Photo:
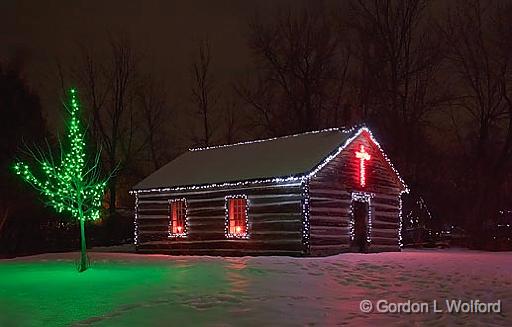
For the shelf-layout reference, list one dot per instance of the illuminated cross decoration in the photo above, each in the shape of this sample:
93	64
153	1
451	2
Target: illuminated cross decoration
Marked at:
362	155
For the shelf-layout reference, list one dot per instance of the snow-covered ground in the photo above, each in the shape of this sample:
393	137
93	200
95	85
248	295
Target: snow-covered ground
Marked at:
123	289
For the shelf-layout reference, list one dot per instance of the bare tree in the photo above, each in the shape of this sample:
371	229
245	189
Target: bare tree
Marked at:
232	119
155	113
110	85
4	214
479	43
203	90
300	71
69	181
397	78
258	95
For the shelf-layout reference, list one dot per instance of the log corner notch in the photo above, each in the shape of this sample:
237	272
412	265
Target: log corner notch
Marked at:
299	193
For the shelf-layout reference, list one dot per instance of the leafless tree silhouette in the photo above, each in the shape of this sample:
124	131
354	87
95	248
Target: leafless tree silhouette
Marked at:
203	91
300	71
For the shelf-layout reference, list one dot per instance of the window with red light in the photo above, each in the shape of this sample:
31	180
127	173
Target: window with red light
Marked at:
237	216
178	213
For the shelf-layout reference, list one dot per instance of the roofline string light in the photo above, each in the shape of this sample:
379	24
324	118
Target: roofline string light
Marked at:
213	147
222	185
298	178
347	143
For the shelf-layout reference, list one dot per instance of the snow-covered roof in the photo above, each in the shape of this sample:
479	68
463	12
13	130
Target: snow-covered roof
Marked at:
281	157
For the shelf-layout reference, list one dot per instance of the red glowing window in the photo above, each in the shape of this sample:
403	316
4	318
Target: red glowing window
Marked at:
178	210
237	216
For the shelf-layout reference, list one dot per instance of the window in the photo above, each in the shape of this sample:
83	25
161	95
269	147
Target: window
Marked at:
178	213
236	216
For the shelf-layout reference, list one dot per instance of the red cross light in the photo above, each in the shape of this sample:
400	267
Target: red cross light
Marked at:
362	155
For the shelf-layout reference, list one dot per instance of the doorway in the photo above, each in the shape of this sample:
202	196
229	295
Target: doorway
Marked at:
360	216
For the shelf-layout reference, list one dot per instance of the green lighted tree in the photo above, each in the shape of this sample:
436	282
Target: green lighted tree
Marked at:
74	184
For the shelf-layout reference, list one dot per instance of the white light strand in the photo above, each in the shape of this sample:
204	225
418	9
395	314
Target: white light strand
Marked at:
269	139
246	235
305	214
301	177
400	243
184	234
136	223
347	143
405	188
423	205
361	197
351	232
284	181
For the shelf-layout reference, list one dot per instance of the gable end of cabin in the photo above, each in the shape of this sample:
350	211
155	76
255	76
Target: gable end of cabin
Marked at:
341	187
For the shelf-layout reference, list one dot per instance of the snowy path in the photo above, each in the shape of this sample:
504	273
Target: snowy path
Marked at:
125	289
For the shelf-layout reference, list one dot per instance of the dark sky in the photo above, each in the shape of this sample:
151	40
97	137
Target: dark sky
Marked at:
167	32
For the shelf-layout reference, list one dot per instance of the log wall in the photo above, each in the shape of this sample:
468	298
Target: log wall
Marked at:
330	192
275	222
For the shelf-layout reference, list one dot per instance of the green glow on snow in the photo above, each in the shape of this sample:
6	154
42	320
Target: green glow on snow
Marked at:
51	293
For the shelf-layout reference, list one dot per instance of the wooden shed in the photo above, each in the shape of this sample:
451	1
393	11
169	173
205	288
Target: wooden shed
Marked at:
317	193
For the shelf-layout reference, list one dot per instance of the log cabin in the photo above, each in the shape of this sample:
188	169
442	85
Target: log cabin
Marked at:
311	194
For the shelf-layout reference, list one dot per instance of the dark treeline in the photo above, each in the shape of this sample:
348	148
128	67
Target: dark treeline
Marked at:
431	79
22	121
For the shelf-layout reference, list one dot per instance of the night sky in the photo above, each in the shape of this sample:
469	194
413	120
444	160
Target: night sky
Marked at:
42	34
165	32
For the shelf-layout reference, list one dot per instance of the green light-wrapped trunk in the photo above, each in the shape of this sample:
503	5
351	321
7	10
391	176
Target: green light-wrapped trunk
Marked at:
83	255
75	184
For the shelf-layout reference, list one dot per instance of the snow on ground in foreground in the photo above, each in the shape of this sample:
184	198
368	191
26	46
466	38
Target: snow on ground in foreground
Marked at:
123	289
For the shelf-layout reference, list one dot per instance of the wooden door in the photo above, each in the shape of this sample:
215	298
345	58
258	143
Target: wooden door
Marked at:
360	216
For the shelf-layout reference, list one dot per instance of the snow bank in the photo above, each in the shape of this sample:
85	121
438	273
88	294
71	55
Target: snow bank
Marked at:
124	289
